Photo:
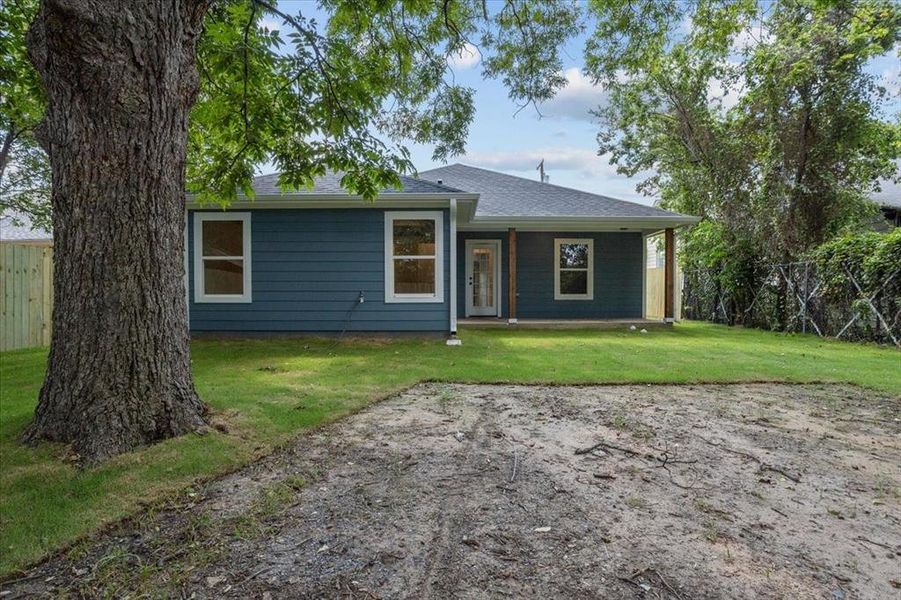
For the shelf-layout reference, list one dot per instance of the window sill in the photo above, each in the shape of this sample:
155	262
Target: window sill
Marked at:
413	300
223	300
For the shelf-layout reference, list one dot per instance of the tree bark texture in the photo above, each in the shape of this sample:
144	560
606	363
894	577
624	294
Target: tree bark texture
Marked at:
120	80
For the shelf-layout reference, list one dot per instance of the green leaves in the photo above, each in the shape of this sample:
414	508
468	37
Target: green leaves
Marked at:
344	95
525	43
759	118
347	95
21	95
24	171
875	257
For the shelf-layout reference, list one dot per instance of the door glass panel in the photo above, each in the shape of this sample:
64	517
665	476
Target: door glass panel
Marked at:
482	278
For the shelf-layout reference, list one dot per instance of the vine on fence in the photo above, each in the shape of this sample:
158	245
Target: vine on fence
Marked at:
849	288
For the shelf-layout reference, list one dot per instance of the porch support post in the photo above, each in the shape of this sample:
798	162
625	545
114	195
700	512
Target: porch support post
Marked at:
644	276
511	276
669	273
452	301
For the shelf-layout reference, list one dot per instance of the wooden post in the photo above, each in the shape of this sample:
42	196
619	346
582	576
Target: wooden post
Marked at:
511	276
453	268
669	276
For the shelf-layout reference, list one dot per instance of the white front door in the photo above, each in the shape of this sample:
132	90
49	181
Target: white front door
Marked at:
482	277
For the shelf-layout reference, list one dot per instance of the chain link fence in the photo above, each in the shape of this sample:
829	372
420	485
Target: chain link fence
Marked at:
792	297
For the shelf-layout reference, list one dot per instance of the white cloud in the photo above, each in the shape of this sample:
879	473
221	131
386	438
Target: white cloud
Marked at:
576	100
718	92
466	58
270	24
749	38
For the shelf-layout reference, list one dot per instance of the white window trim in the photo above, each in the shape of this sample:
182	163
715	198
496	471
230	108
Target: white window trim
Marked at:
199	295
559	242
438	217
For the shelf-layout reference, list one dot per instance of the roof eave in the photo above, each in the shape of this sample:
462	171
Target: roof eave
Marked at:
289	199
587	223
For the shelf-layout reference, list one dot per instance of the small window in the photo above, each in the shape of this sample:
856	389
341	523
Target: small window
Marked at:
222	257
413	257
573	269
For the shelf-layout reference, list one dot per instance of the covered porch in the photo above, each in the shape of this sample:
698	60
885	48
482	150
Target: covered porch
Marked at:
516	277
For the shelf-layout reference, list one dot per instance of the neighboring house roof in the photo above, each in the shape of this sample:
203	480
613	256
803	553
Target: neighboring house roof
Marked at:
330	185
502	195
10	232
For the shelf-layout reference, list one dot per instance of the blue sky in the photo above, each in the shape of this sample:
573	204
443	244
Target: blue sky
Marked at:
564	134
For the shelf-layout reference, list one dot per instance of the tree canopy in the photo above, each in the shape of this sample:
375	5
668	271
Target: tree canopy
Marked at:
343	95
24	171
790	155
759	117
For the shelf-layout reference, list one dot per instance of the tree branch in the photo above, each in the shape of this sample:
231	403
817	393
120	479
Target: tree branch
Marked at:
250	22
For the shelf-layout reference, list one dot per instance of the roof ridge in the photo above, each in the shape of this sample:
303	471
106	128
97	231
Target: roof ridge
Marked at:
554	185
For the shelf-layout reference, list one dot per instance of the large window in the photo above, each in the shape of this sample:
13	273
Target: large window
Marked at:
573	269
222	257
413	257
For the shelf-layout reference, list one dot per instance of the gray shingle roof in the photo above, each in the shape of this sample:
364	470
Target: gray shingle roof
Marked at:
502	195
330	184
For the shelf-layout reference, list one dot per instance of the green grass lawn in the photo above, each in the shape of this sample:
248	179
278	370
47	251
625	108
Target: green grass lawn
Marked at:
266	391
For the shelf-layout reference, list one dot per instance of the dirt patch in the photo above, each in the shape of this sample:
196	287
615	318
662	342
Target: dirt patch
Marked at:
727	491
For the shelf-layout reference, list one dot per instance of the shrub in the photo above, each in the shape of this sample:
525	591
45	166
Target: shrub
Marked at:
874	259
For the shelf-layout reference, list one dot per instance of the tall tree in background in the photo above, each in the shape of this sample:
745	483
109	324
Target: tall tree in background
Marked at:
758	116
122	80
24	170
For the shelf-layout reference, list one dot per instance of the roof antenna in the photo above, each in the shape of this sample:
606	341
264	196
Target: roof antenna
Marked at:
540	168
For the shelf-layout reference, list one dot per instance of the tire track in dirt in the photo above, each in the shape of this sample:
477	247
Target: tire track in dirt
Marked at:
442	568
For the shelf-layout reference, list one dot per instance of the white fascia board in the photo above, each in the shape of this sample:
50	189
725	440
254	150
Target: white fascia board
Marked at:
339	201
577	223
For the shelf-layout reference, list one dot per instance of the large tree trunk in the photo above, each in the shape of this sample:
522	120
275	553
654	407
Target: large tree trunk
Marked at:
120	80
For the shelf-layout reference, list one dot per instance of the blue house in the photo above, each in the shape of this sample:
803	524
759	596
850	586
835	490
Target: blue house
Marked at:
458	243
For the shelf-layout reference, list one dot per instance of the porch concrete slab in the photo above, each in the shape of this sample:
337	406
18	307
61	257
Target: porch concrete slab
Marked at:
492	323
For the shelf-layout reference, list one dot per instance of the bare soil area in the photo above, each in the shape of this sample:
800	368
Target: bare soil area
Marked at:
478	491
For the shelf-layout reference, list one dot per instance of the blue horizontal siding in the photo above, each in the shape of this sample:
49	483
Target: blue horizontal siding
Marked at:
308	268
618	277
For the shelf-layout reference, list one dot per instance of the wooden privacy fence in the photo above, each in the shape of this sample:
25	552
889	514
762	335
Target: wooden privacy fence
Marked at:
655	290
26	295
